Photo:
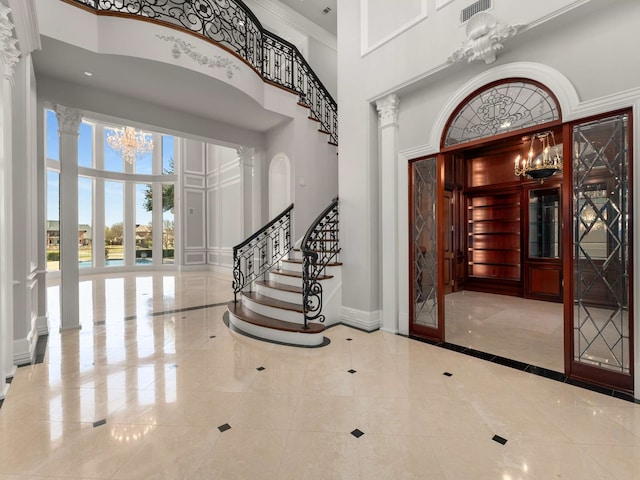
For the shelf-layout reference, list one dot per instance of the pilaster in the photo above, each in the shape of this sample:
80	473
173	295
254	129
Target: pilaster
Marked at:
246	156
9	56
388	110
69	129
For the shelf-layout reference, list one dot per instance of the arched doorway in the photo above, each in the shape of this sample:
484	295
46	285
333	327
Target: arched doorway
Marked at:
566	240
279	184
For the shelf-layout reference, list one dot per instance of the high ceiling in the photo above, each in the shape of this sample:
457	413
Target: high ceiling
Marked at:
314	11
149	81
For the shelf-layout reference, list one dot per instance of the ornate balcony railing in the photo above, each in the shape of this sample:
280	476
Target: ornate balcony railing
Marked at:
232	25
262	250
319	247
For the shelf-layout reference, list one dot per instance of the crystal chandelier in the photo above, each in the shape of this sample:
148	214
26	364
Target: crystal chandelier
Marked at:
543	159
129	144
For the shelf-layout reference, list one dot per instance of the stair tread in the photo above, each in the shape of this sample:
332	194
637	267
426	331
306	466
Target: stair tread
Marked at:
291	273
299	261
279	286
254	318
273	302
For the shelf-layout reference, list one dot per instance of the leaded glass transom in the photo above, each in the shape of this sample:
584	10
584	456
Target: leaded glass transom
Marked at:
424	241
601	235
502	108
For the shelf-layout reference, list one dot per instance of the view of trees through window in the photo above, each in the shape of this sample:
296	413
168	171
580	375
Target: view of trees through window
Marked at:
111	186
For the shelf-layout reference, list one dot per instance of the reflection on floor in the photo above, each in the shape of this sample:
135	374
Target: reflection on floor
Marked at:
529	331
138	394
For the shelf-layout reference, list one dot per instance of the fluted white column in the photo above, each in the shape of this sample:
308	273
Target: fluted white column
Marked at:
388	109
246	159
69	124
9	56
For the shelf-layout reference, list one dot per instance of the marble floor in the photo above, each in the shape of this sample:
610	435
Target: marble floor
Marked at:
155	386
529	331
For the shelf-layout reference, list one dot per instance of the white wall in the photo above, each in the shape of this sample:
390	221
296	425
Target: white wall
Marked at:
324	61
224	205
193	210
314	172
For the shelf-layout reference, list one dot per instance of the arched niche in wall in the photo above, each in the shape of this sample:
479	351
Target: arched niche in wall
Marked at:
279	184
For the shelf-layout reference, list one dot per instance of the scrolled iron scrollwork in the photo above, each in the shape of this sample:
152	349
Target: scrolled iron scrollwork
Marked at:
231	24
261	251
319	247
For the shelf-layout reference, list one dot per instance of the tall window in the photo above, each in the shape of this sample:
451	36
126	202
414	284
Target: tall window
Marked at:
85	145
114	224
114	197
85	231
53	220
144	223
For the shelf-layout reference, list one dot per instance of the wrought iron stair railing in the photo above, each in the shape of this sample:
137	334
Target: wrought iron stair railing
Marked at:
320	246
232	25
261	251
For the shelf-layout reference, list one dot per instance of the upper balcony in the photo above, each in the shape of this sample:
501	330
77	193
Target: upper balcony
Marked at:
229	26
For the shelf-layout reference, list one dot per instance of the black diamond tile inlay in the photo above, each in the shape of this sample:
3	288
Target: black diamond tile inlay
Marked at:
357	433
352	371
447	374
99	422
349	339
499	439
224	428
212	336
260	369
184	318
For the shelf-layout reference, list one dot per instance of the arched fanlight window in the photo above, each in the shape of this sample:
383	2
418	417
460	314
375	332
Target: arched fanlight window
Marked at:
501	108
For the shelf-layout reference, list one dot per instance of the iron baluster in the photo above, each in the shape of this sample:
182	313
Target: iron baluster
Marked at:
319	247
259	250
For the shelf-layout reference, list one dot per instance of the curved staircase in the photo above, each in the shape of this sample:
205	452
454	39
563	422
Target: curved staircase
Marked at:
271	303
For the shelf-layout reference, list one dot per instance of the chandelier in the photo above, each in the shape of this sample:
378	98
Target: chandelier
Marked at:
543	159
129	144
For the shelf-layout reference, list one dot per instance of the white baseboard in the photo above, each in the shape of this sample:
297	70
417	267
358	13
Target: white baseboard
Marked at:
24	350
42	325
389	330
368	321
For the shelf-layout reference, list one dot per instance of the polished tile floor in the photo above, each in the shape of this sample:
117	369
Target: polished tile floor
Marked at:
529	331
142	394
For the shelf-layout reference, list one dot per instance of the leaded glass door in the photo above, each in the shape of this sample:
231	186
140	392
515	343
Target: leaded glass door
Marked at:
600	309
424	210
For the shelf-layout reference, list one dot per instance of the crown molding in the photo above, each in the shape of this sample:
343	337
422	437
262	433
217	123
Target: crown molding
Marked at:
25	19
295	20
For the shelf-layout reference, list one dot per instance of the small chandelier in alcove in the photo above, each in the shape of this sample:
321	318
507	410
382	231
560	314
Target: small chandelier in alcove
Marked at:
543	159
129	144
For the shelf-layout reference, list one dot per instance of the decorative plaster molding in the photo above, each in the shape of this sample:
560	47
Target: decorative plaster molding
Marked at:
388	108
216	61
246	156
365	47
484	37
26	22
9	53
69	119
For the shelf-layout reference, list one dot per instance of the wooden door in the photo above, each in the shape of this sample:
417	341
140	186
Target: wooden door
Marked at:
448	230
426	189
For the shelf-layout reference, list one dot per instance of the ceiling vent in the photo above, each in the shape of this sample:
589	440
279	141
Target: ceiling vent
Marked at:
326	10
471	10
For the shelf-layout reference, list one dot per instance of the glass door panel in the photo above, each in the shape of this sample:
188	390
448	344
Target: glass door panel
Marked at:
424	248
601	250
